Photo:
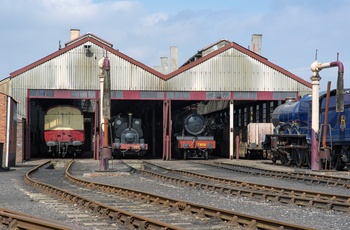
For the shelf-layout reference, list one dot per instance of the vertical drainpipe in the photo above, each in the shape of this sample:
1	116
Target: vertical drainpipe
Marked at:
231	131
101	102
316	67
7	152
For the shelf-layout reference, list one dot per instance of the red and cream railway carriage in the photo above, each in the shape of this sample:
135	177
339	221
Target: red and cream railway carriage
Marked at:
64	130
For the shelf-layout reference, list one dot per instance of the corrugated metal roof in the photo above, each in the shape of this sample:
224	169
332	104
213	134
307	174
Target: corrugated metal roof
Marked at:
95	40
228	67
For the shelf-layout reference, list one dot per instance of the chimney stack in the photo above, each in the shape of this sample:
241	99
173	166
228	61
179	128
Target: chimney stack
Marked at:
174	62
74	34
256	43
164	64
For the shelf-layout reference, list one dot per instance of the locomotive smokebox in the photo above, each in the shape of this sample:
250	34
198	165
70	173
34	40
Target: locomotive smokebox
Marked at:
281	109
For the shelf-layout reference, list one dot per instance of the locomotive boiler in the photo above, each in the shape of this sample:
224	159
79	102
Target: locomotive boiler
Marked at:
64	130
291	141
191	135
128	136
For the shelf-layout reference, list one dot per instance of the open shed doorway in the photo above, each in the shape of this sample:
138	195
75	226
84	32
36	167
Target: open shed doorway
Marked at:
36	125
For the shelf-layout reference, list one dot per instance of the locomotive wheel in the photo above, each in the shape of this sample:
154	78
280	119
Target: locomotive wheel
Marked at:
285	160
299	158
264	154
338	164
273	160
308	159
206	155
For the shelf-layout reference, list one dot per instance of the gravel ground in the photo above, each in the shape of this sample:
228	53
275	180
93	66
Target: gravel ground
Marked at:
305	186
14	195
314	218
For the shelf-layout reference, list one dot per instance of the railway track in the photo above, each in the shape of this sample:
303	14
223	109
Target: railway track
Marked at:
283	195
204	217
50	180
295	176
10	219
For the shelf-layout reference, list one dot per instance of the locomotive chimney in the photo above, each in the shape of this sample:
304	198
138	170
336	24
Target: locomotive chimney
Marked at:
129	120
193	108
290	99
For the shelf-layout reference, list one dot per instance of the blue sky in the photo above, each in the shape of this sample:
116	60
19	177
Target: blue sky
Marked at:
291	30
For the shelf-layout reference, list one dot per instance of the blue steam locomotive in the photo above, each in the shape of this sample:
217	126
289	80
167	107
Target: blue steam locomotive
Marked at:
128	136
191	135
291	141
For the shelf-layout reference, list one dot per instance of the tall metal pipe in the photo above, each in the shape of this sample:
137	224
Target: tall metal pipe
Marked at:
105	150
325	122
106	103
316	67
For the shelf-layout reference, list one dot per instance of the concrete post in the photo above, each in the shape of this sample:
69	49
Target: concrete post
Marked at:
315	121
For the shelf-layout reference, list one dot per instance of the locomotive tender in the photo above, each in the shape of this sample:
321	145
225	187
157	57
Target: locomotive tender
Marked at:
64	130
291	141
192	138
128	136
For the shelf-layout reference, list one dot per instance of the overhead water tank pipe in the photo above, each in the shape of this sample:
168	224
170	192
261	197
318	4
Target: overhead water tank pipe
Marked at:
316	67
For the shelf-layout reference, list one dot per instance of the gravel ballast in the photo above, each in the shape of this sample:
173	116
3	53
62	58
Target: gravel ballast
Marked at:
16	194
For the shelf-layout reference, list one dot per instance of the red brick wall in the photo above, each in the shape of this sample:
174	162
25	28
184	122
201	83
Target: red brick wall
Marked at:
21	124
4	138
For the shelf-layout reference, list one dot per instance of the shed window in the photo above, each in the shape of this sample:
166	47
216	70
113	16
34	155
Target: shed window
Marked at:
177	95
218	95
116	94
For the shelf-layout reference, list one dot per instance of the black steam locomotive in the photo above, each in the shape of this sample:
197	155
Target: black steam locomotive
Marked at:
191	135
128	136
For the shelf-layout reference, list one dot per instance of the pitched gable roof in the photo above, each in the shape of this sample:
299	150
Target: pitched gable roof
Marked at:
79	41
200	57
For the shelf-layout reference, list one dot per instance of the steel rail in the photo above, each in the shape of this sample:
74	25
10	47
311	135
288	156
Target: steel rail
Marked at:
260	191
234	218
17	220
299	176
111	213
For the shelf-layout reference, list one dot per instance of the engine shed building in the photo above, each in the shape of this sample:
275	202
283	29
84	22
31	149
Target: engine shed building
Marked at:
221	77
